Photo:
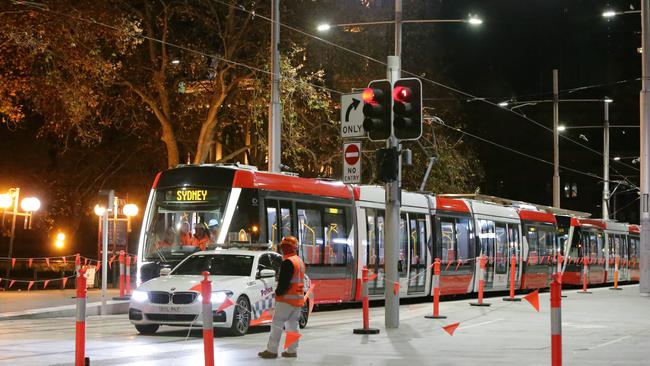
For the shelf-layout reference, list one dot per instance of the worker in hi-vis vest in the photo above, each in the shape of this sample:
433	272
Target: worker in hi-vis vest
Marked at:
289	299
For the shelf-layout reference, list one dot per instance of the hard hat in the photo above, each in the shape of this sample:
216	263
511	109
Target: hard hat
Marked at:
290	241
213	223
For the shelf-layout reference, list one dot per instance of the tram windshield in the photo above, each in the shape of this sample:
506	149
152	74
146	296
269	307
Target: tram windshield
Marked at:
183	221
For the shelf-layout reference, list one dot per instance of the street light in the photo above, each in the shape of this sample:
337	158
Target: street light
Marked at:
6	200
60	240
323	27
99	210
130	209
472	20
30	204
561	128
609	13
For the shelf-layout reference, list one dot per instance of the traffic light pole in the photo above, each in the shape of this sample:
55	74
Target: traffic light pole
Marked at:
391	248
644	281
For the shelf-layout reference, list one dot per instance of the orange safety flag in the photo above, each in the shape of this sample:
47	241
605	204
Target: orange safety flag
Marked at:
85	261
65	280
451	328
291	338
396	288
225	305
11	283
13	262
65	261
372	277
29	262
47	260
110	262
533	299
99	265
29	286
45	284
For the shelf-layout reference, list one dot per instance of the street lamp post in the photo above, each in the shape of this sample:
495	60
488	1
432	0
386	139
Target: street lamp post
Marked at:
29	205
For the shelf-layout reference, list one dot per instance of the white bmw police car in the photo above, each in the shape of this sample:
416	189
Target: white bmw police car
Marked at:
247	277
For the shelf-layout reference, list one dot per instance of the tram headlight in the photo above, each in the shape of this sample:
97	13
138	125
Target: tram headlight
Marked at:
139	296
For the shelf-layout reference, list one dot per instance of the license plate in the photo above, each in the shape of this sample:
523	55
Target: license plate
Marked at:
169	309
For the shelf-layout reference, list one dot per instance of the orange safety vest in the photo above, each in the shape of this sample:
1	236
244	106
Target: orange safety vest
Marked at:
295	295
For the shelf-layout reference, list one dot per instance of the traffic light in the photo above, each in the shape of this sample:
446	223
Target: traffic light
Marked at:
407	109
377	110
387	164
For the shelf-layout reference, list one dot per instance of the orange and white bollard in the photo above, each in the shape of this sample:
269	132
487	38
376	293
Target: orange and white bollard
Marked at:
366	306
80	328
513	271
127	276
208	329
585	276
121	273
556	322
616	263
436	292
481	282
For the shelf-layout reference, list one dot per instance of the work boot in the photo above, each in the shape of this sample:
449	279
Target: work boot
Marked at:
289	354
267	354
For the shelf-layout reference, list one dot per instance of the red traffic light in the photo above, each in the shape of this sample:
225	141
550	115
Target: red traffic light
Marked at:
402	94
371	95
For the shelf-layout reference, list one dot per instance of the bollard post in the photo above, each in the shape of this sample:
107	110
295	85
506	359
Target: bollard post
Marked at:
122	271
556	322
127	281
616	263
513	271
436	292
585	276
77	263
366	306
208	329
560	265
80	327
481	282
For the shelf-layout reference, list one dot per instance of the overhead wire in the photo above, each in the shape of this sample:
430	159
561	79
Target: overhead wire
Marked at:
442	85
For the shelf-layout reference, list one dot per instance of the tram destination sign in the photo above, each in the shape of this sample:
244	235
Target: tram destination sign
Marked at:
352	116
193	195
352	162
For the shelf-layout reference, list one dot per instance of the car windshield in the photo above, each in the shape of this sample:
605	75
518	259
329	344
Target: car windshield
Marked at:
216	264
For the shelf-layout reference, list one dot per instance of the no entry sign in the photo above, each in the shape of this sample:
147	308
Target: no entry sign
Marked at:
352	162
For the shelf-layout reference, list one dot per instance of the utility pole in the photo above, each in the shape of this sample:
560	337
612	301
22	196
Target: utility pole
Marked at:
275	122
644	281
109	206
15	197
391	255
605	202
556	141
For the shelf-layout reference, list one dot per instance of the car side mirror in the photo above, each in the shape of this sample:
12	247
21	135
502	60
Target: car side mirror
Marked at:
267	273
165	271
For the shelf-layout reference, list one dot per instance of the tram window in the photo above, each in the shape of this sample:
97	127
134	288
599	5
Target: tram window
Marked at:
487	237
501	248
447	240
404	242
272	221
614	245
600	245
533	245
513	240
337	248
462	238
286	221
310	234
419	253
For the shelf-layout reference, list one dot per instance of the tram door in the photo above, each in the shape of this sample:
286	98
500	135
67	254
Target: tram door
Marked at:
498	241
412	264
375	250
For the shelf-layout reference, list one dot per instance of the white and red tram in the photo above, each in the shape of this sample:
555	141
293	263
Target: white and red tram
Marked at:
341	229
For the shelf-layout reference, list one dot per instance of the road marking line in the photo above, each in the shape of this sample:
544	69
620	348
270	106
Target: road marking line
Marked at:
478	324
610	342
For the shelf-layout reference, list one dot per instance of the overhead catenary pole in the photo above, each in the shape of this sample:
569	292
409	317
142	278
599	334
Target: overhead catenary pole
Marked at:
15	198
605	202
391	316
644	281
275	122
556	141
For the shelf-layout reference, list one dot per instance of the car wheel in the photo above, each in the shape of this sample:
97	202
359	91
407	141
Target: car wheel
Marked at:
304	315
241	317
147	329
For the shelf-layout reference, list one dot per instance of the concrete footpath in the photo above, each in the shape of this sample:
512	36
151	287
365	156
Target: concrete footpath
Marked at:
604	328
51	303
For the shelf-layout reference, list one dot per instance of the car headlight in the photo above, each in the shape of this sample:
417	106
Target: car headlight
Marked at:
217	297
139	296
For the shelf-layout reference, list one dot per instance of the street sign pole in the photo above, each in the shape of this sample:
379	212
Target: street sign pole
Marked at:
109	206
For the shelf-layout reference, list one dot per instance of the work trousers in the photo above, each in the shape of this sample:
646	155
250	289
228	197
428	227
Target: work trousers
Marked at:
285	317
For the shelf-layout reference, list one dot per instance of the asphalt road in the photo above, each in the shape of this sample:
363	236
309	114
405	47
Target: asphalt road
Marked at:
605	328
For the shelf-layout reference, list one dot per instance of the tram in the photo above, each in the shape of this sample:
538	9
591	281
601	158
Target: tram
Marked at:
341	229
